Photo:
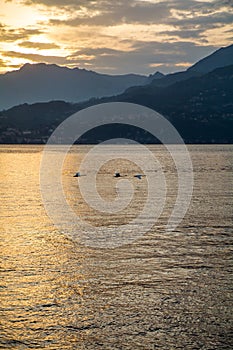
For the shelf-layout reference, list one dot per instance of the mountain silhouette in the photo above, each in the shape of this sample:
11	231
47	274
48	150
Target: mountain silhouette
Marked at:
45	82
220	58
201	108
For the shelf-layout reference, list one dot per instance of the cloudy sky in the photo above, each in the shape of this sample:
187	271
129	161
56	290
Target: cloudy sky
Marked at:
140	36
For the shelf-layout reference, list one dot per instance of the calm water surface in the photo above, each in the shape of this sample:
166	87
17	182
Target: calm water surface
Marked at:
164	291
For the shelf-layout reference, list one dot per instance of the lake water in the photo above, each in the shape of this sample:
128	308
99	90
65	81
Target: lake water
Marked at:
162	291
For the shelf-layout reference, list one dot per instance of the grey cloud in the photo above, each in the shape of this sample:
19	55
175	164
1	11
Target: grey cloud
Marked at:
10	35
117	12
53	2
38	45
144	55
214	19
68	61
101	51
204	16
131	11
120	12
182	51
196	29
36	57
199	6
187	34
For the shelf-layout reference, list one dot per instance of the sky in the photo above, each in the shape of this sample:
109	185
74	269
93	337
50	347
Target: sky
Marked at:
113	37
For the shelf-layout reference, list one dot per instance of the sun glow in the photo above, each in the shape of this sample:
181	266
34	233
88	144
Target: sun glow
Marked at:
15	14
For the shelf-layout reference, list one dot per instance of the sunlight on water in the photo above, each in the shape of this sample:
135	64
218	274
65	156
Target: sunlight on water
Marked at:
168	291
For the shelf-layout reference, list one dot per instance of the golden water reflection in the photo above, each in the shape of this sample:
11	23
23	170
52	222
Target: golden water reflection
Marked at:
164	291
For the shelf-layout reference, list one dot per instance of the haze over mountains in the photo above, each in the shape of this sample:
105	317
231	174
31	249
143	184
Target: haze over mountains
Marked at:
220	58
198	103
42	82
45	82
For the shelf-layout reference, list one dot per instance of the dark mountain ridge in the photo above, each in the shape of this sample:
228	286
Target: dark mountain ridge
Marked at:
45	82
220	58
201	108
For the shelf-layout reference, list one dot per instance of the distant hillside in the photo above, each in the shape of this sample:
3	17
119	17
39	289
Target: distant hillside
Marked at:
201	108
220	58
45	82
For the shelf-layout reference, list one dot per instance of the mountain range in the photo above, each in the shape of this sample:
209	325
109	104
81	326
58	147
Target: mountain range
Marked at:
199	103
45	82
